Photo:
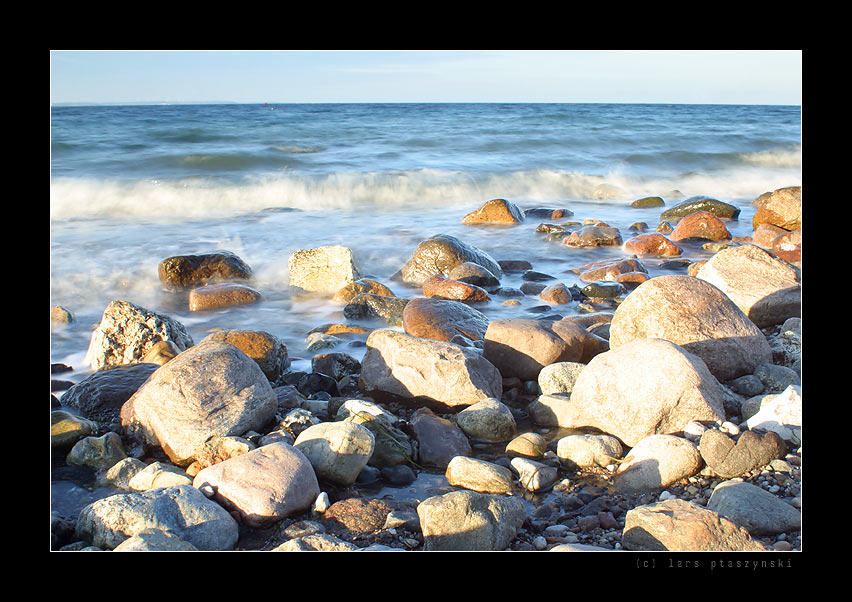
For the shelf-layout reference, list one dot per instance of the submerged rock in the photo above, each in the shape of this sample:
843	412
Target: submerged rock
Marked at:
186	271
495	211
439	255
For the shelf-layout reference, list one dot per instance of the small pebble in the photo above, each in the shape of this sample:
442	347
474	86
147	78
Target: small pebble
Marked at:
539	543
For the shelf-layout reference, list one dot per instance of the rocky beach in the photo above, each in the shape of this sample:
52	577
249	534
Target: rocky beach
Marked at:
644	397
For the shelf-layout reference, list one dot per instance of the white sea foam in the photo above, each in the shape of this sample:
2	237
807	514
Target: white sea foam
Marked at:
200	198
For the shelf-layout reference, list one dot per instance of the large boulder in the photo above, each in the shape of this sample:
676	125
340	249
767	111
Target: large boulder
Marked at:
427	372
495	211
323	269
470	521
680	526
127	332
657	462
522	347
443	319
754	508
439	255
767	289
182	511
187	271
642	388
211	389
701	225
781	208
697	316
264	485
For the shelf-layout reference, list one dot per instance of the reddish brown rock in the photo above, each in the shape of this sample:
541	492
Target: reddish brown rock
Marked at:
185	271
264	348
440	287
217	296
652	244
701	224
782	208
495	211
610	269
765	235
442	319
364	285
557	294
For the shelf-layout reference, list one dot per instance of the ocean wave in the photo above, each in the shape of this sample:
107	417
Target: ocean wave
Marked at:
208	197
774	158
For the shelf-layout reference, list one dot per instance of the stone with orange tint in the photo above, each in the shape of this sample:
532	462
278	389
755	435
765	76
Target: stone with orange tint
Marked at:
652	244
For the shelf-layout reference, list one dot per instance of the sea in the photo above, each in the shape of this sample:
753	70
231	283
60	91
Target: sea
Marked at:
132	185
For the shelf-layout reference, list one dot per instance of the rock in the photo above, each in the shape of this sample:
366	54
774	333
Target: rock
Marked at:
765	235
155	540
603	289
593	236
781	208
362	285
588	451
767	289
754	509
700	224
776	378
646	387
470	521
218	449
221	295
487	420
697	316
527	445
60	317
264	348
336	365
548	213
728	457
648	201
748	385
701	203
211	389
439	287
323	269
182	511
100	453
473	273
321	542
368	306
181	272
160	353
426	372
657	462
264	485
557	294
338	451
439	255
559	378
495	211
353	518
127	332
392	445
439	440
653	244
610	269
100	395
522	347
680	526
578	547
781	415
442	319
158	474
479	475
534	476
120	474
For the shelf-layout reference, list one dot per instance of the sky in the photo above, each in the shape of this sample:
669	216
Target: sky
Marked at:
302	76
